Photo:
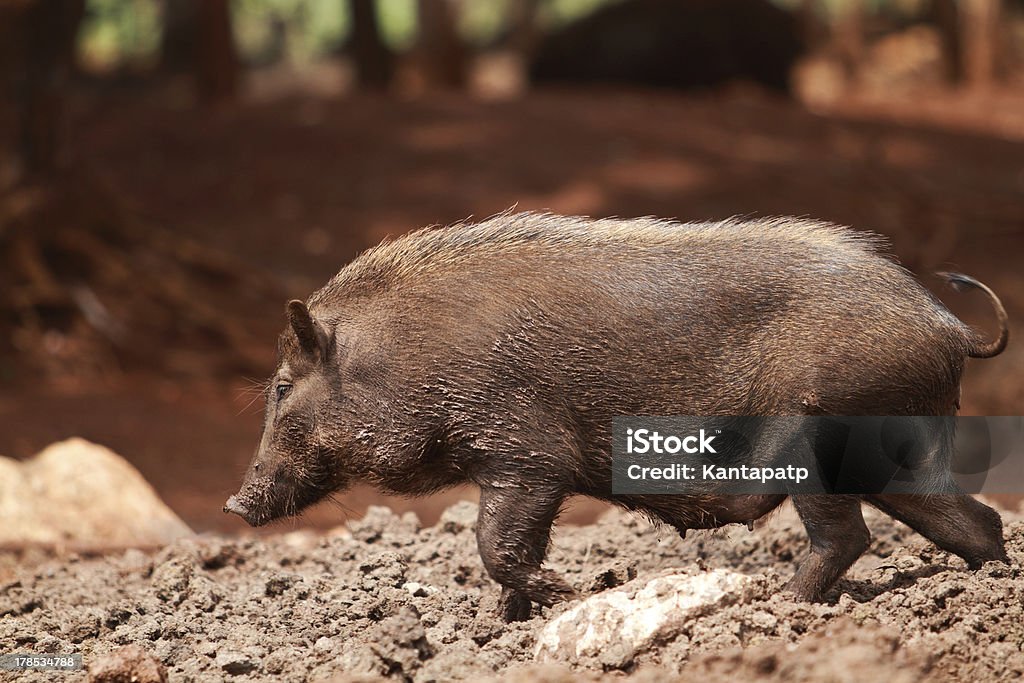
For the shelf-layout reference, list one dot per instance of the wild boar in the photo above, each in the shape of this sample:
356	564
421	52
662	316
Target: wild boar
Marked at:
498	353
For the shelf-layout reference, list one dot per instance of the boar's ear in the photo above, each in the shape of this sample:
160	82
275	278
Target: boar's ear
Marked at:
311	334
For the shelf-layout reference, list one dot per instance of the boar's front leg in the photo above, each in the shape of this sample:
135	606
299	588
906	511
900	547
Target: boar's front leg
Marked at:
513	531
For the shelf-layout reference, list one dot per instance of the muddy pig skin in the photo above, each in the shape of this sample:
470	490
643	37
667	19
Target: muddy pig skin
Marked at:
498	353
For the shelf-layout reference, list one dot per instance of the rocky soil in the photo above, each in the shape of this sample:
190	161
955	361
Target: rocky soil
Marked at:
384	597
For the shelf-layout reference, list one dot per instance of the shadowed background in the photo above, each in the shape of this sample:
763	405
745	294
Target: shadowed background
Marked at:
172	172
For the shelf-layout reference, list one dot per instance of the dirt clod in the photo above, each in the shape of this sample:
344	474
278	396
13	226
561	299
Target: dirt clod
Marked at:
128	664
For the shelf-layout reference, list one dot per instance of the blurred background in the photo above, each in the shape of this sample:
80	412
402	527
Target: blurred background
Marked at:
173	171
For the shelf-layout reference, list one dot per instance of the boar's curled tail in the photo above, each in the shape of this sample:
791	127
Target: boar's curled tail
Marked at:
978	347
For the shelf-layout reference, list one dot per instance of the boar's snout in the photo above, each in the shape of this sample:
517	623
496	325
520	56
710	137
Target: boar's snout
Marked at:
235	506
264	499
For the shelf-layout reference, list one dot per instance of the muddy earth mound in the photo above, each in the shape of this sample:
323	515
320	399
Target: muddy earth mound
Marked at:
385	598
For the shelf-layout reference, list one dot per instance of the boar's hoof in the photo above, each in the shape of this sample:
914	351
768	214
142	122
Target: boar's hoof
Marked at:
513	605
548	588
543	586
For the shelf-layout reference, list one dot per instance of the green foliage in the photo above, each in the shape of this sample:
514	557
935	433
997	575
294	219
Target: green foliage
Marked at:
482	22
127	32
295	30
561	12
313	28
397	20
118	32
906	8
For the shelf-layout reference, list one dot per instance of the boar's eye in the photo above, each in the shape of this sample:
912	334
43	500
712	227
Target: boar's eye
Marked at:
282	390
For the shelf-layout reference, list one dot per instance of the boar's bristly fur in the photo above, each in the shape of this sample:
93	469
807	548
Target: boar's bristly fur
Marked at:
498	353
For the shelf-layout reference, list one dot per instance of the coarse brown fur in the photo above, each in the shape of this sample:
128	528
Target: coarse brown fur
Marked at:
498	353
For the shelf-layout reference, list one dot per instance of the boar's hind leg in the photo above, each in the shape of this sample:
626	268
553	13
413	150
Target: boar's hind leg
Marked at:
838	537
513	531
956	523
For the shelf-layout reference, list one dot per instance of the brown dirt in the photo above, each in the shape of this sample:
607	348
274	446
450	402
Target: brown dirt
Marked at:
389	598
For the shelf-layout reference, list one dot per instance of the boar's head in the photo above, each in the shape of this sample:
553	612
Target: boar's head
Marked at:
298	461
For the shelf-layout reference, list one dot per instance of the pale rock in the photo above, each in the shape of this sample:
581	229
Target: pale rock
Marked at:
75	493
612	627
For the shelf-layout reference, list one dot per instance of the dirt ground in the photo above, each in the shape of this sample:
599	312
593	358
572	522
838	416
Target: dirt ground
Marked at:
294	187
387	598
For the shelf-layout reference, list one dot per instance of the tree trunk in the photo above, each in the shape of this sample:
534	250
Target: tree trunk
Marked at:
217	67
813	29
849	37
442	54
946	16
373	60
523	31
980	26
178	40
197	39
40	63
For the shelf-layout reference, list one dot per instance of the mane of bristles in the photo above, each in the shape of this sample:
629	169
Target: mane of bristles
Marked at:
432	249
